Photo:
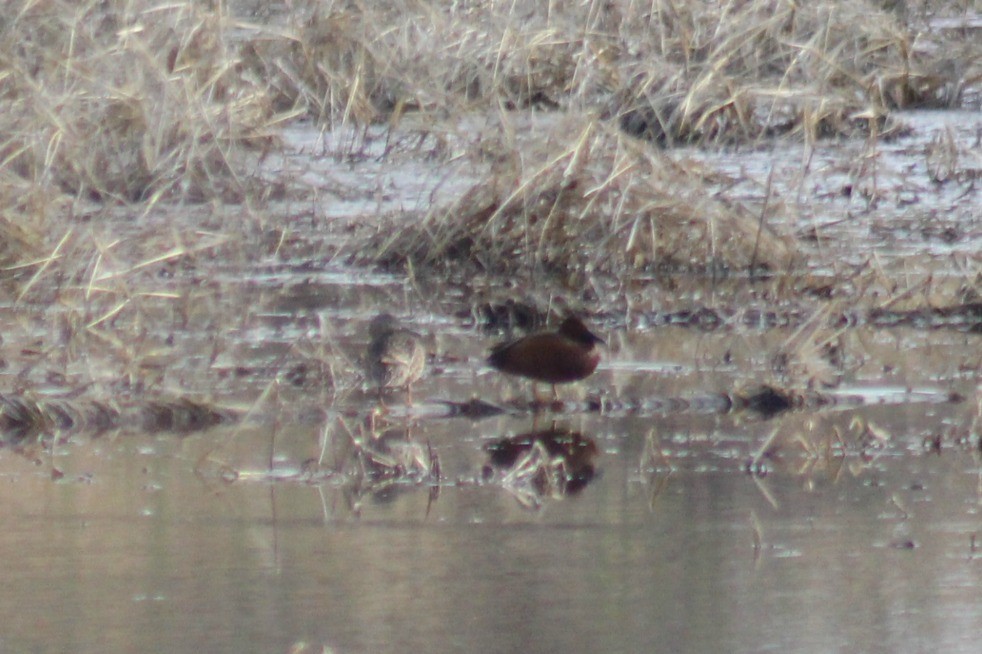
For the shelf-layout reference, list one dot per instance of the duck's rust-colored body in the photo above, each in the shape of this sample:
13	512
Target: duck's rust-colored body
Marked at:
566	355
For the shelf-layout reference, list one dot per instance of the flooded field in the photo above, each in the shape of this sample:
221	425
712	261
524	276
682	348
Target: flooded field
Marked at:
644	512
781	446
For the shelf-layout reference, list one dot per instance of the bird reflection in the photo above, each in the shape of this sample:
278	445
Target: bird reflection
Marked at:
382	465
551	463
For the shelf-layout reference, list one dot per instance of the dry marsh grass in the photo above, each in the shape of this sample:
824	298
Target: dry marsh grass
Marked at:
691	73
583	199
135	100
20	239
125	101
671	72
743	71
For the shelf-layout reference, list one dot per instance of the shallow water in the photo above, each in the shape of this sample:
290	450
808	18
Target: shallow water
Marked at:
858	531
672	545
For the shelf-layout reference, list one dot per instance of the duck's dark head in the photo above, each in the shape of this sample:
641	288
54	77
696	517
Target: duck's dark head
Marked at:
574	328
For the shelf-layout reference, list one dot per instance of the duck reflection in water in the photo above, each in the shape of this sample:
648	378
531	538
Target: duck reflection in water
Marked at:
551	463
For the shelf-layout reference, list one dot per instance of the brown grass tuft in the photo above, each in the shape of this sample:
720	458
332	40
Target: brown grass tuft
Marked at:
584	200
22	217
710	73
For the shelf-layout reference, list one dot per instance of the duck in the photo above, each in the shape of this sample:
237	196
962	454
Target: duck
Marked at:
569	354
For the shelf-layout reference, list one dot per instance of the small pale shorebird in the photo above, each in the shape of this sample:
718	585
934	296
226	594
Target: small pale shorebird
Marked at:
566	355
395	357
